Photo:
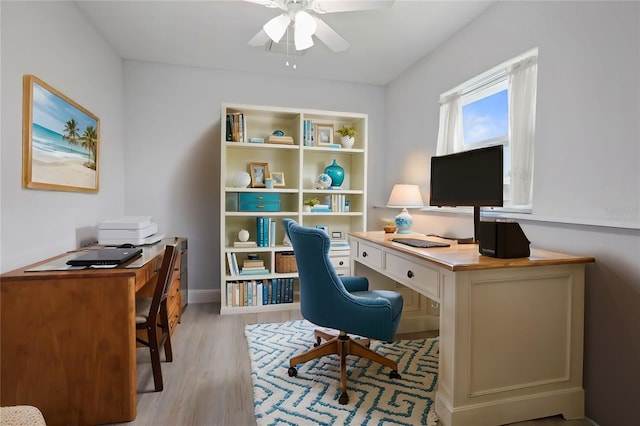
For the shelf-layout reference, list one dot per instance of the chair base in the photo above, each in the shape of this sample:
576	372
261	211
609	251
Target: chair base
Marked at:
342	345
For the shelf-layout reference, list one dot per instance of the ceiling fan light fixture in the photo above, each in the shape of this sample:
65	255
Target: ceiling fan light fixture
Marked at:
304	23
302	41
276	27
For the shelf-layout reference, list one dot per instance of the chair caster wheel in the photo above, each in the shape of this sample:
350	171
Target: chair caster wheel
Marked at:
292	372
344	399
394	375
318	341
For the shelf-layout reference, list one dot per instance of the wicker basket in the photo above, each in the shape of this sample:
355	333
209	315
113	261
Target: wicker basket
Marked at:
286	262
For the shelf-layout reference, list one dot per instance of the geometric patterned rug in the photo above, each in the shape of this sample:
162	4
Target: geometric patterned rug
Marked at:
311	398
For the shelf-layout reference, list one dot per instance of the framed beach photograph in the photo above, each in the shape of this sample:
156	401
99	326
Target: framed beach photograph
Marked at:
259	173
60	141
324	134
278	179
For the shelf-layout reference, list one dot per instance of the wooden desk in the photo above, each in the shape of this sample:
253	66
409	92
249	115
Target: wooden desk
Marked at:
511	330
68	338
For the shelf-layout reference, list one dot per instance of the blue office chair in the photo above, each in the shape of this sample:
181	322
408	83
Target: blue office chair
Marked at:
340	303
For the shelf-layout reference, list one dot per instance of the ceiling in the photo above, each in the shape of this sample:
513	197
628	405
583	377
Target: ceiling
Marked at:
214	34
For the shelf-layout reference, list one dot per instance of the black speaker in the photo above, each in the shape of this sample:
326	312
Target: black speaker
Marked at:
503	239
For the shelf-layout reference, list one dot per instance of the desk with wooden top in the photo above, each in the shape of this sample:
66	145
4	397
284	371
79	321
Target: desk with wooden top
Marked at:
68	337
511	330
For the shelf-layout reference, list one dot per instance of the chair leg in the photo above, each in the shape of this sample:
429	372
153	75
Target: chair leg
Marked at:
342	346
166	334
154	349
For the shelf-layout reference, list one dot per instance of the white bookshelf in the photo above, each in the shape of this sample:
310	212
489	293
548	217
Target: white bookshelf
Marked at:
301	165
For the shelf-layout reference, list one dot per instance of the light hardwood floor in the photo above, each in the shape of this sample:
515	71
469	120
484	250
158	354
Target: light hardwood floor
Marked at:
209	382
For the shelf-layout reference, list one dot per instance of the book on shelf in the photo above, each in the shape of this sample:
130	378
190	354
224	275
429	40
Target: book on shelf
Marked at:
282	140
256	140
250	263
266	231
236	127
233	264
308	129
259	271
260	292
241	244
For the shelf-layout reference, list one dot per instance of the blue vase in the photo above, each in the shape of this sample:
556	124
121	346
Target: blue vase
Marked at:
336	173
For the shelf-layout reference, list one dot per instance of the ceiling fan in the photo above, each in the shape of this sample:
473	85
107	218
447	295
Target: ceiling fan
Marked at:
300	14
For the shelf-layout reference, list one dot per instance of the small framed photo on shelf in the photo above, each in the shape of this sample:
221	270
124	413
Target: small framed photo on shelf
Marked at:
259	173
324	134
325	228
336	234
278	179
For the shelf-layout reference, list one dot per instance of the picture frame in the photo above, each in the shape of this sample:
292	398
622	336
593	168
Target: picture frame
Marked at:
325	228
324	134
259	173
60	140
278	179
336	234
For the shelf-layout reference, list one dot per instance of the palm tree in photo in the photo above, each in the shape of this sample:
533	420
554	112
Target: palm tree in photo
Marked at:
90	143
71	134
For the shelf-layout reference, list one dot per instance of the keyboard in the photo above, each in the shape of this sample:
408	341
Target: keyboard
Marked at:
415	242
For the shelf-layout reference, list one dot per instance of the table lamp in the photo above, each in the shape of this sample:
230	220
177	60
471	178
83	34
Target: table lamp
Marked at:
405	197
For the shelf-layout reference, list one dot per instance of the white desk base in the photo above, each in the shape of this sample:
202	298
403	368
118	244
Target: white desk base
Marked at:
511	330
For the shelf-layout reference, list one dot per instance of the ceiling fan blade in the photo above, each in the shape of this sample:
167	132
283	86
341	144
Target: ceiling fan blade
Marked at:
332	6
328	36
276	27
267	3
259	39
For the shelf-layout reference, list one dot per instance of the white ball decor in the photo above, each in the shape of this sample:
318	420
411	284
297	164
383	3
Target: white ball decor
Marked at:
243	235
323	181
242	179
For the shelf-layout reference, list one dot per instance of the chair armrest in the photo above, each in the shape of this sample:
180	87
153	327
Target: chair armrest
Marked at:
352	284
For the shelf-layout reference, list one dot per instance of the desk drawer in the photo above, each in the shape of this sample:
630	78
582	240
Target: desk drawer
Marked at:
341	264
369	255
414	275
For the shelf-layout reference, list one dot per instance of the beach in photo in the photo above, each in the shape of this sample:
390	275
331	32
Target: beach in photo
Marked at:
55	161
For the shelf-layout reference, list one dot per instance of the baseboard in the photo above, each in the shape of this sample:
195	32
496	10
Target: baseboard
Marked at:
204	296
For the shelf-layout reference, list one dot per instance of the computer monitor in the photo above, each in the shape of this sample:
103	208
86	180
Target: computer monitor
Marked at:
471	178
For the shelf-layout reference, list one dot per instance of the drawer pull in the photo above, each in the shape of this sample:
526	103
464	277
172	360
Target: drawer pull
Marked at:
410	273
341	263
260	207
364	254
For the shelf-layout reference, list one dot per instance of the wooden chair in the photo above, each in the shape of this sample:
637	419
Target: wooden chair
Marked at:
151	316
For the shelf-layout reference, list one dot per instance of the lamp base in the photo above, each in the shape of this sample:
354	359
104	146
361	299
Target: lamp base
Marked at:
404	222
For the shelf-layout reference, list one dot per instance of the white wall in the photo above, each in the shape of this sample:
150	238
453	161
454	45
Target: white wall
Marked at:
172	157
587	161
53	41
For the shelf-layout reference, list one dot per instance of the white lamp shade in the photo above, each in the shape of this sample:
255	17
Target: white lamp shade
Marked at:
276	27
405	196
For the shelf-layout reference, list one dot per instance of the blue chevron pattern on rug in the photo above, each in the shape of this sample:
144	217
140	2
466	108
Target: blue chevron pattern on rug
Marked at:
311	398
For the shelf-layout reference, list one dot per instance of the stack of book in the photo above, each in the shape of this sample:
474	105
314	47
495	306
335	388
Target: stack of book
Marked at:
236	130
253	267
283	140
245	244
321	208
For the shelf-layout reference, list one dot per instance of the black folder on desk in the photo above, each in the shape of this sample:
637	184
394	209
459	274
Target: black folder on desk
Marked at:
105	256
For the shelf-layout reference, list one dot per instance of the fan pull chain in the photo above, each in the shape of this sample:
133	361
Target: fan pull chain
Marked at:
287	62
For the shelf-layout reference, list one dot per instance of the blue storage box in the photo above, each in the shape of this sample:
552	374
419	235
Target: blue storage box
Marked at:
258	202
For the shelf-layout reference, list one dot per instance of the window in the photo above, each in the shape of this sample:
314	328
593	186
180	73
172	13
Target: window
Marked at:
496	108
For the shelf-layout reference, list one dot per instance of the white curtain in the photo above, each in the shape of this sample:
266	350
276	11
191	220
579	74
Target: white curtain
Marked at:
450	137
522	79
